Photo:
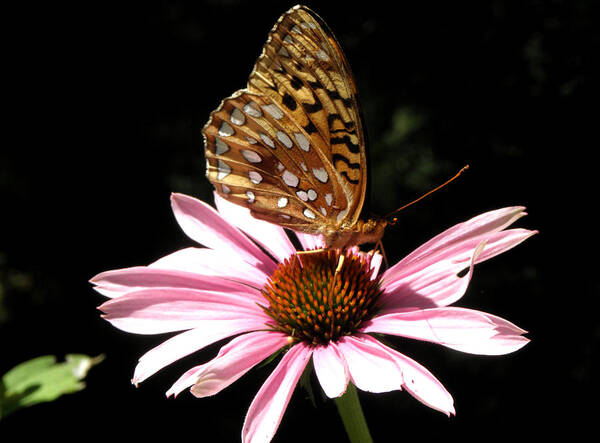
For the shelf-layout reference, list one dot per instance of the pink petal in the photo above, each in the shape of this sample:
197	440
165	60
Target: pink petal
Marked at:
267	408
418	381
309	241
210	262
371	369
439	284
110	292
376	261
466	330
436	279
155	311
234	359
208	332
121	281
187	379
204	224
477	228
503	241
271	237
488	222
331	370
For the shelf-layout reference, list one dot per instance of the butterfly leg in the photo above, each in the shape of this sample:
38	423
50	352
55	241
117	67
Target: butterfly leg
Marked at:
379	246
312	251
332	286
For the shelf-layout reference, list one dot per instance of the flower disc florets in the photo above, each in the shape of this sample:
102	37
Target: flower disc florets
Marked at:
321	296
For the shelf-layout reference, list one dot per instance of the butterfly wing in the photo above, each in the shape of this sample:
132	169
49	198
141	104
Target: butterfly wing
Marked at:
290	146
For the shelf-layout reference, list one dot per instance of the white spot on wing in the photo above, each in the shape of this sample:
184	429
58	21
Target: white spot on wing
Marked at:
329	199
251	140
296	29
282	202
280	167
237	117
225	189
251	196
323	211
251	156
290	179
309	214
274	110
225	130
220	146
283	138
255	177
312	194
223	168
302	195
321	174
268	140
302	141
252	109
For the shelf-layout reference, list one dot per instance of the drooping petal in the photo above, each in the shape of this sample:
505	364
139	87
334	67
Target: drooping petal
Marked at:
159	310
203	224
462	329
371	369
309	241
271	237
121	281
437	285
438	279
267	408
210	262
476	229
234	359
331	370
418	381
208	332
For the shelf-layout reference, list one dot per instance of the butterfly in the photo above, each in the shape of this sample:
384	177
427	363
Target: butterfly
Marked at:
290	146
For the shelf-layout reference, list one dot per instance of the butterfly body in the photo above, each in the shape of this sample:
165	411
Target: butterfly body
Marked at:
290	146
363	231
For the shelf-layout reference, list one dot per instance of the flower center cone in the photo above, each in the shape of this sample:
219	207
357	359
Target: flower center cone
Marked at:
321	296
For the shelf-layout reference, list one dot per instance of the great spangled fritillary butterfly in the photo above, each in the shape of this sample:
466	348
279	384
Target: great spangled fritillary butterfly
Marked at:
290	146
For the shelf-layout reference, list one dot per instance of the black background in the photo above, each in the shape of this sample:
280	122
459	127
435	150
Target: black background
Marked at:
105	106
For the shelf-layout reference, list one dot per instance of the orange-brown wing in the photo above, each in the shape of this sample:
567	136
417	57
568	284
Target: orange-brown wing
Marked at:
290	146
258	157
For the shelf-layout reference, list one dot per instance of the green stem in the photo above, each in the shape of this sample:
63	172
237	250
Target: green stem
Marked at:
352	415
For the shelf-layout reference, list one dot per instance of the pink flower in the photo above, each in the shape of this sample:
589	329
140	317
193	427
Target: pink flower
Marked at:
250	284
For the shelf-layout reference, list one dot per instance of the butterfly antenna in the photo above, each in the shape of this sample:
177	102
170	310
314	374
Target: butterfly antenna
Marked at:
393	220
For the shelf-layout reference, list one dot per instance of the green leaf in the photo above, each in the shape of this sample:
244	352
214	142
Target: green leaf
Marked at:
42	379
